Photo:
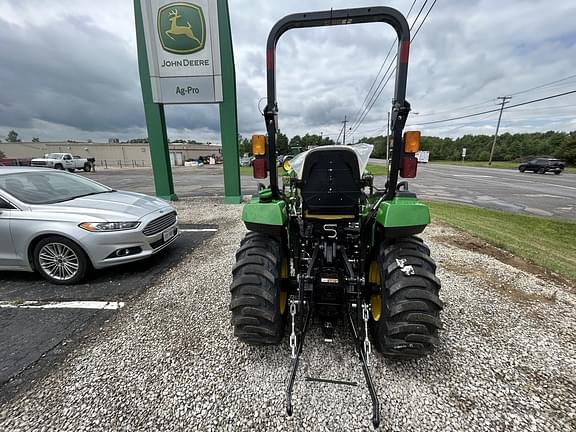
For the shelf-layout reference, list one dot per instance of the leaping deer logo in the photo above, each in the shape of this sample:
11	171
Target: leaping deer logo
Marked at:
181	28
176	29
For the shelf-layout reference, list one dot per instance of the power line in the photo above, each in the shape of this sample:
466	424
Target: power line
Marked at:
372	99
357	115
376	96
541	86
489	101
423	21
496	109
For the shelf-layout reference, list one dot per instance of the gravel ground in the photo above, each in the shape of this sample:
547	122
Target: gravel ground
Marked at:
169	361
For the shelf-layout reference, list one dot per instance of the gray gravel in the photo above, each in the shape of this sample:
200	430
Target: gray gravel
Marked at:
169	360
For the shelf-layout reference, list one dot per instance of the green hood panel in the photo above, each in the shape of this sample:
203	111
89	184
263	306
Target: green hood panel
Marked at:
265	213
403	212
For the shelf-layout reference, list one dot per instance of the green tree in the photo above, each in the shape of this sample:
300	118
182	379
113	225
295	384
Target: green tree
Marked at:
2	155
567	151
12	136
379	144
244	145
296	141
282	146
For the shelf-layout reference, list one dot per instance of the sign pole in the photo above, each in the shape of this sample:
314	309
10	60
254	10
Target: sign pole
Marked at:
228	112
155	120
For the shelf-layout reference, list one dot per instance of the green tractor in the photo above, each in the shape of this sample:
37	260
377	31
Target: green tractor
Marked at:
329	247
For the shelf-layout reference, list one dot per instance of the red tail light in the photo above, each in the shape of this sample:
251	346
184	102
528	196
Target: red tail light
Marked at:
408	167
259	168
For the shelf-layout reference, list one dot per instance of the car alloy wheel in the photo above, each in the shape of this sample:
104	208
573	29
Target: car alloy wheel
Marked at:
60	261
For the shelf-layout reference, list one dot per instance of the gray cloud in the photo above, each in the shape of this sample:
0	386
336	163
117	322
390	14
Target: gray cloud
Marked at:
71	71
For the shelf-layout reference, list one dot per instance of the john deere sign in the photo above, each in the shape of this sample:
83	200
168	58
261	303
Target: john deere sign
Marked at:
185	55
183	46
181	28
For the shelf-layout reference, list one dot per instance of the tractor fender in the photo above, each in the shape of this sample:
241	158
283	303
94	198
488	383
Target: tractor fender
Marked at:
269	217
401	216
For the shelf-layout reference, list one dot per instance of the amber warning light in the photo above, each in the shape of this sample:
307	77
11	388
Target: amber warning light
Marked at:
259	170
409	162
258	145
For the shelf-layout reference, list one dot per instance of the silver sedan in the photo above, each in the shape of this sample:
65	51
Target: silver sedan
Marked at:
62	225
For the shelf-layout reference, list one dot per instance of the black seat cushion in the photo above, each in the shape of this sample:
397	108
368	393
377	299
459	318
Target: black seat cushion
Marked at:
330	182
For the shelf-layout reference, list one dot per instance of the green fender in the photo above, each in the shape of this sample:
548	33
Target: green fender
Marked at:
402	216
263	214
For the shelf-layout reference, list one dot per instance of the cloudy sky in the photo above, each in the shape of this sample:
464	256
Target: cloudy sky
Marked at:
68	69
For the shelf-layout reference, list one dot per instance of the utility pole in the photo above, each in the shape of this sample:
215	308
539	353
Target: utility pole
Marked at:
388	138
504	100
345	121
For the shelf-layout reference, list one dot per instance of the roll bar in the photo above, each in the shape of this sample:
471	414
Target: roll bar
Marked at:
400	107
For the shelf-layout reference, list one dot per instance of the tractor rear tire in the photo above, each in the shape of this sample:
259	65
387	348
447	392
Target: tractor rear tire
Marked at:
409	320
258	306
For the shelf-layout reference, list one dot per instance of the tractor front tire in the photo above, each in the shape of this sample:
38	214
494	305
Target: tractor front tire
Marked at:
410	307
258	305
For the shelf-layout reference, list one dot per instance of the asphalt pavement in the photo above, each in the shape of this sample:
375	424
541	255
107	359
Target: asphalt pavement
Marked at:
40	323
501	189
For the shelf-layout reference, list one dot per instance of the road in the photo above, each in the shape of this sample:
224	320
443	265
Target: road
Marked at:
502	189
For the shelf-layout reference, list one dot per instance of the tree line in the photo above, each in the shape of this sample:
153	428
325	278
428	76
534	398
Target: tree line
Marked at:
285	145
509	147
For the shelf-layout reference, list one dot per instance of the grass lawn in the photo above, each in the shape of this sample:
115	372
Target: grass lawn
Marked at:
546	242
495	164
246	171
377	170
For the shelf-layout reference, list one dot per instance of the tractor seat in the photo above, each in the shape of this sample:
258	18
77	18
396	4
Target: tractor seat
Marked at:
331	185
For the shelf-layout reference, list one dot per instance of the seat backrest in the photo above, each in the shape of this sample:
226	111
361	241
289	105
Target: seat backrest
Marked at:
330	183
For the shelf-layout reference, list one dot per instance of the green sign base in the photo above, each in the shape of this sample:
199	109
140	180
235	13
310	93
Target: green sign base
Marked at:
171	197
232	199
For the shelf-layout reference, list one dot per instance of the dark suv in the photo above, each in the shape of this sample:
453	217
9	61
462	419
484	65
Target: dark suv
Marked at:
542	166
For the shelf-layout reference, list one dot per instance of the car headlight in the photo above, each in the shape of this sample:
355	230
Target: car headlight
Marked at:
108	226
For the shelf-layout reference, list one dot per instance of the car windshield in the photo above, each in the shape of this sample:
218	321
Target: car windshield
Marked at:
54	156
48	187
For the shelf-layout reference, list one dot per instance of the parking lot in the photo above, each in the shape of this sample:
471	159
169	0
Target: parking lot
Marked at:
168	360
41	323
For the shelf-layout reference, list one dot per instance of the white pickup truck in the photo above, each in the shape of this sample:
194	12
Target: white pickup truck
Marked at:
61	161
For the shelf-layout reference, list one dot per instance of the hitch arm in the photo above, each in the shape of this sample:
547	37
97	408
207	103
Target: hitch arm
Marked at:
367	376
295	361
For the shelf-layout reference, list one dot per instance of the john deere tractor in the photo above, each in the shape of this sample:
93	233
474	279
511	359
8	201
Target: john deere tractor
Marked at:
328	247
